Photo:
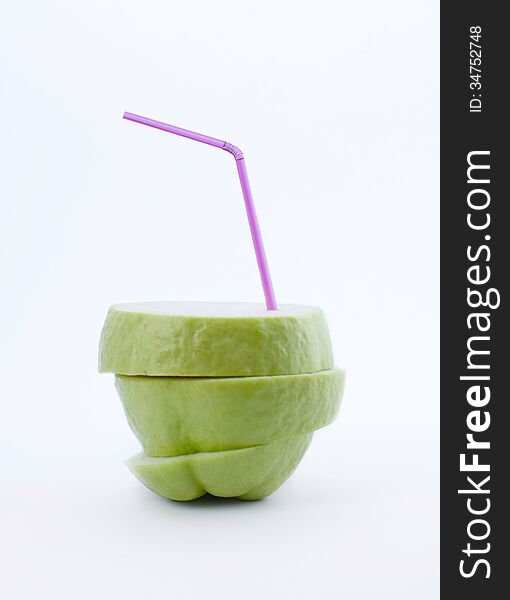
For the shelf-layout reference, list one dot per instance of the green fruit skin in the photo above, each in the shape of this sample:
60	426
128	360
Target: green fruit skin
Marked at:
249	474
135	343
172	416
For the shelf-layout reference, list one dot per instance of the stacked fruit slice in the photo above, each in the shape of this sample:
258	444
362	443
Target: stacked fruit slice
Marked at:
223	397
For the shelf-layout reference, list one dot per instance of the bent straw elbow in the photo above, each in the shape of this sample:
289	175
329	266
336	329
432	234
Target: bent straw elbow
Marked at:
234	150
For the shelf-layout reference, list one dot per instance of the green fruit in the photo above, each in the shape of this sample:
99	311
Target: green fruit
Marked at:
173	415
214	340
249	474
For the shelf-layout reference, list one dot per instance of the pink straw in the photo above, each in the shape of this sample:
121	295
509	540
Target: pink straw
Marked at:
256	236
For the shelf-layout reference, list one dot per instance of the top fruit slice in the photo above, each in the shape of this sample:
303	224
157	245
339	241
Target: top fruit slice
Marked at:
200	339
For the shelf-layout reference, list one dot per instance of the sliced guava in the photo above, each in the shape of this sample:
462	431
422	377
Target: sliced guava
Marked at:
249	473
178	415
194	339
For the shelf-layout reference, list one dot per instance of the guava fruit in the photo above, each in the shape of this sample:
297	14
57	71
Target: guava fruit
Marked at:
199	339
176	415
249	473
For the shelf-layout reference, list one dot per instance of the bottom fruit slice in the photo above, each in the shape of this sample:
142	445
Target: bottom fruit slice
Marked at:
248	473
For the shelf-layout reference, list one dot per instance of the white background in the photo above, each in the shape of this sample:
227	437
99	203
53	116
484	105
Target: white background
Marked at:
335	105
